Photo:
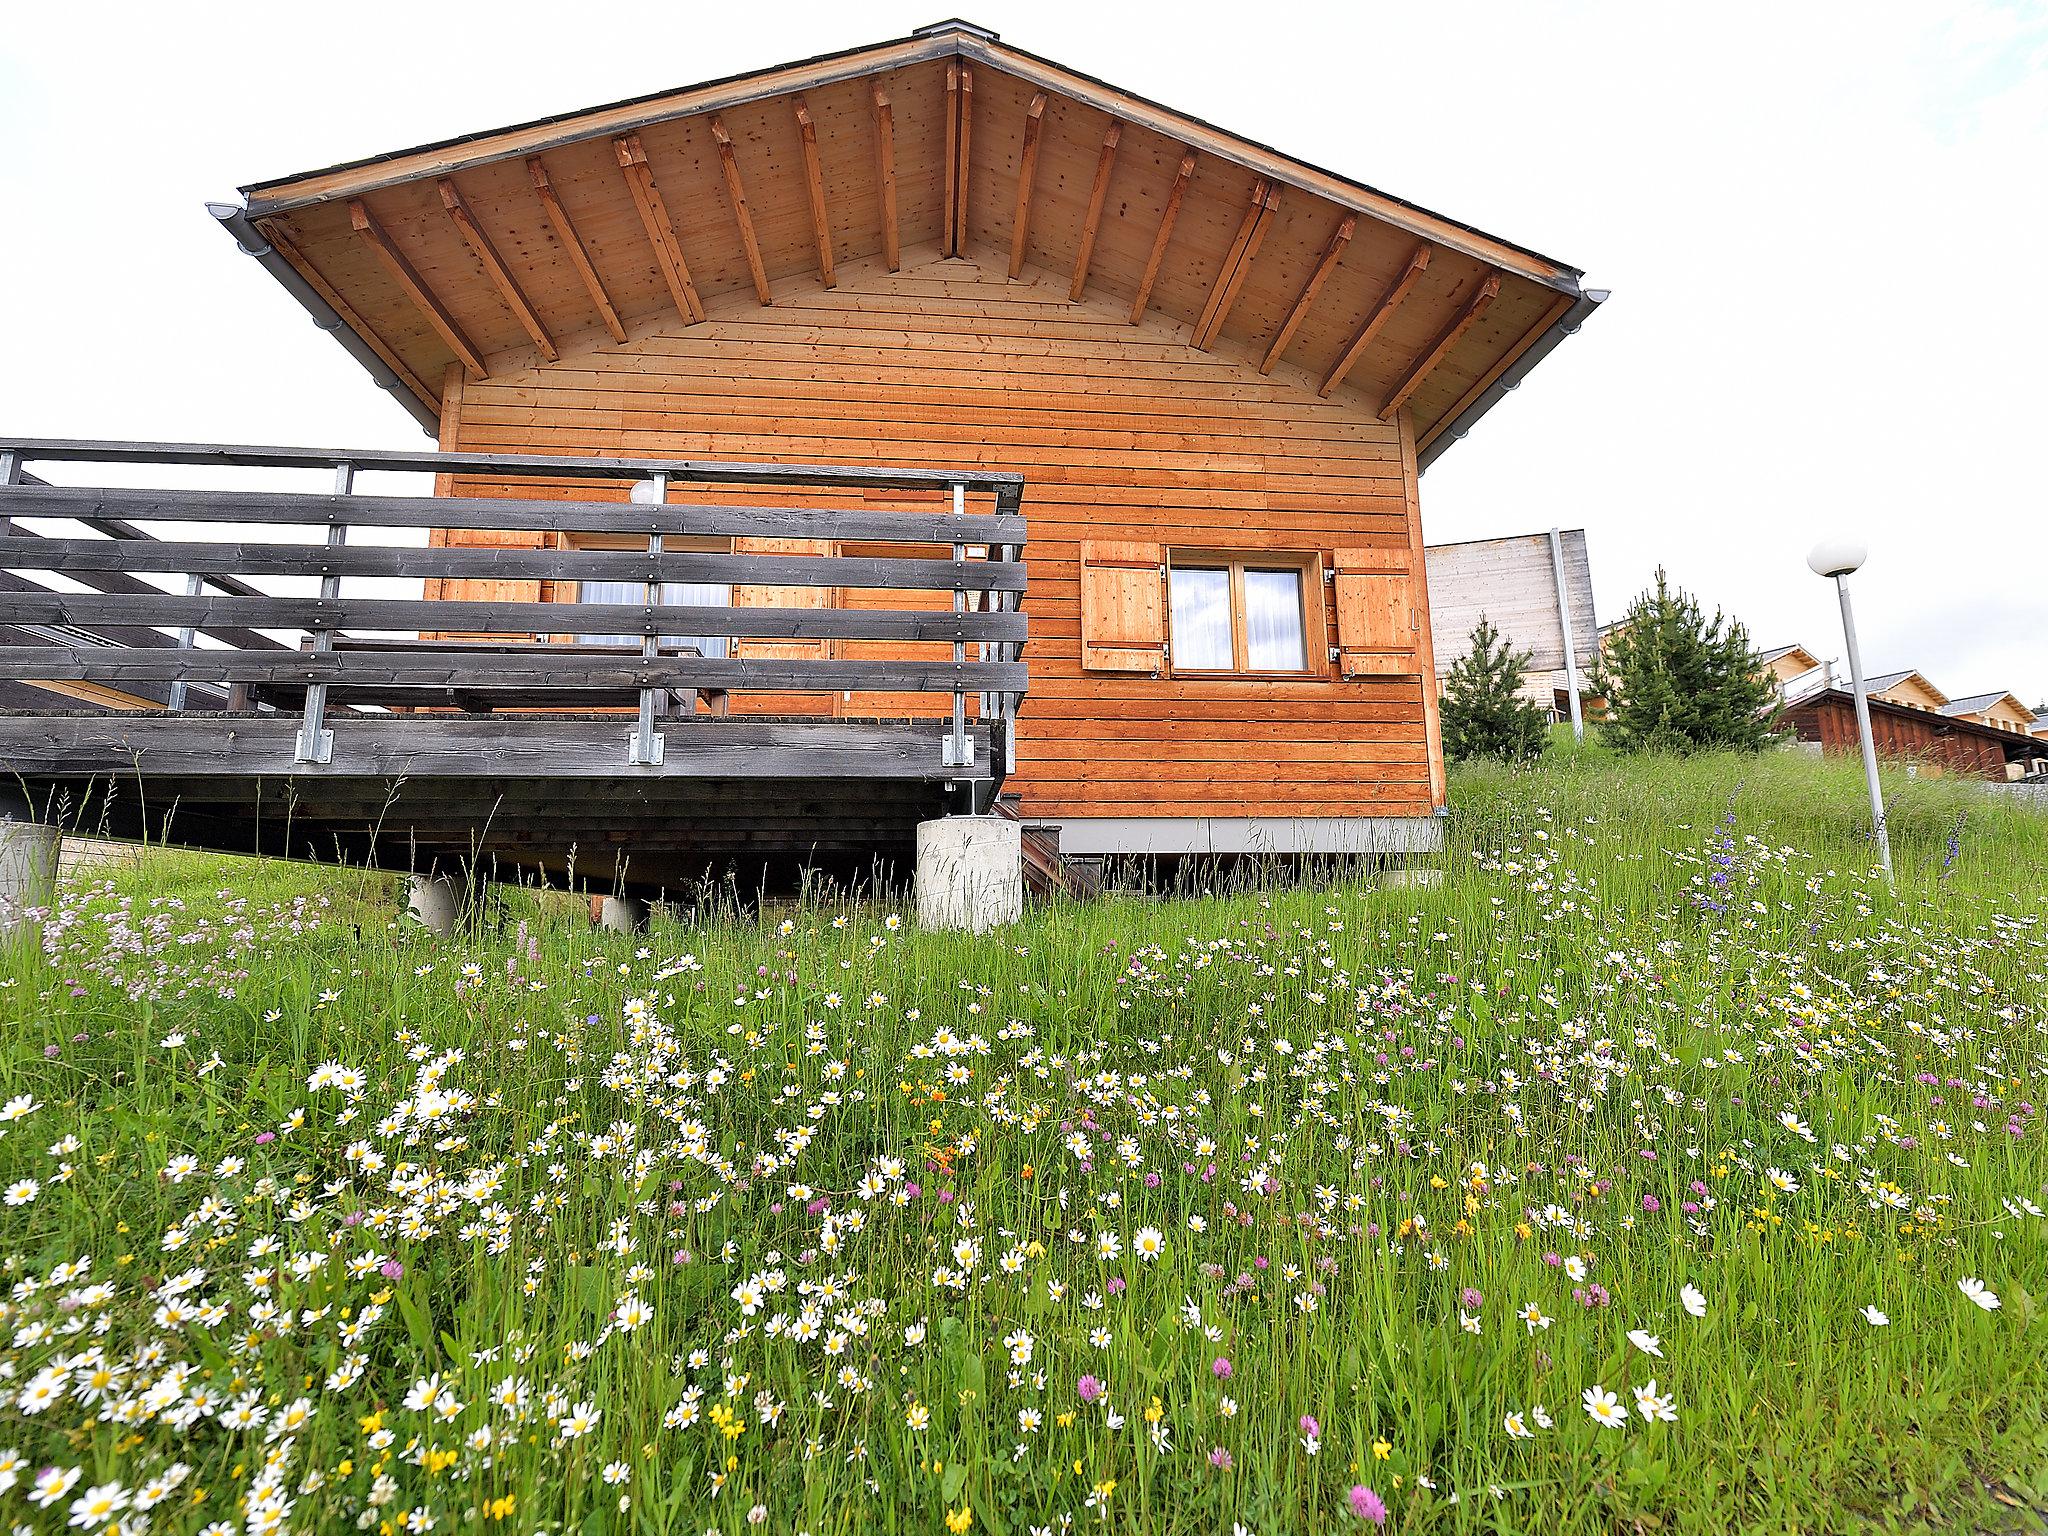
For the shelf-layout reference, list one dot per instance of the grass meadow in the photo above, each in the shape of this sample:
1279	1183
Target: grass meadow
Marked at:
1658	1171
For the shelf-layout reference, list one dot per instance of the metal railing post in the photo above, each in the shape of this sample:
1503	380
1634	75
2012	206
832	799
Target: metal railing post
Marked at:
649	744
316	742
956	753
175	700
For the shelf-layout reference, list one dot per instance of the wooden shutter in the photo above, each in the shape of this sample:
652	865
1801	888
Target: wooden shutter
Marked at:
1378	624
1123	622
782	597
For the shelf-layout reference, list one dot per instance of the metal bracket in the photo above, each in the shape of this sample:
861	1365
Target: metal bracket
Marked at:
633	756
955	752
321	751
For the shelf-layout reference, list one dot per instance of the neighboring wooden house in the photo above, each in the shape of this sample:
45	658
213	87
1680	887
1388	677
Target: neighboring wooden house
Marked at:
1536	589
1938	743
1908	689
1794	670
1207	375
2001	711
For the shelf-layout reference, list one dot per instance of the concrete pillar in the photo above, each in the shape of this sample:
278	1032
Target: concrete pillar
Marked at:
622	914
439	902
970	872
28	868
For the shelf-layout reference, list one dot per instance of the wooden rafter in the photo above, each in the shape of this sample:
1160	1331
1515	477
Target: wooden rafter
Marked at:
1377	317
814	180
729	163
885	174
1167	217
1419	370
1027	173
372	234
1325	265
1501	365
948	241
966	160
572	246
1098	195
661	230
500	275
1237	265
273	231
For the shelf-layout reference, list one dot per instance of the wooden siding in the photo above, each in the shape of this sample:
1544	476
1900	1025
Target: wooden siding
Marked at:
1123	432
1904	732
1513	583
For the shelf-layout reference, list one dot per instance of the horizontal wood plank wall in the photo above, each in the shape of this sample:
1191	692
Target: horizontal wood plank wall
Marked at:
1124	432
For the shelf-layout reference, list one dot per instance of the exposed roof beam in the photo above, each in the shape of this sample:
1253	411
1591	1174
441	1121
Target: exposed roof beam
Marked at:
814	179
1237	265
1421	368
1098	194
1167	217
885	173
1027	173
949	236
494	267
729	162
966	161
1321	275
372	233
661	232
273	231
1377	317
572	245
1552	316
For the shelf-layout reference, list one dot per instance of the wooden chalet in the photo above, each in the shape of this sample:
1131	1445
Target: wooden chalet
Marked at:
744	397
1908	732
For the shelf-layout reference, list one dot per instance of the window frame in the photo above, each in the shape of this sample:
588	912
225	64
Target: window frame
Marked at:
1236	559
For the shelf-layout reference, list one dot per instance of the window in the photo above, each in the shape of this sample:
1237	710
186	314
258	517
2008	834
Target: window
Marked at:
1240	614
670	594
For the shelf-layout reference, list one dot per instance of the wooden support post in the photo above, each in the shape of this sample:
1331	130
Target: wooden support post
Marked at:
1419	370
1027	173
1376	318
1098	195
1167	217
885	174
814	183
966	160
393	260
572	246
1324	267
1237	265
661	230
729	163
949	244
494	267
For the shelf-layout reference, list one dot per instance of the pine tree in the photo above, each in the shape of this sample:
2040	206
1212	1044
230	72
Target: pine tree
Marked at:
1482	711
1677	682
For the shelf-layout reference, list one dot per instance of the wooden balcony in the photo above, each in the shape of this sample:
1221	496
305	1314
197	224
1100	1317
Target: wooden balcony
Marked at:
263	670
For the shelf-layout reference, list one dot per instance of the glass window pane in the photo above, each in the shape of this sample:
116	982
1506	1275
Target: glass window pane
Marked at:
1201	619
610	592
698	594
1272	622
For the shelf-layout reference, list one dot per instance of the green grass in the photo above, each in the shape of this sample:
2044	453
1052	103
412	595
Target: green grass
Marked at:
1639	989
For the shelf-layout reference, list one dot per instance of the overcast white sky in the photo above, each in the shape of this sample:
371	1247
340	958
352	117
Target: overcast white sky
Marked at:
1826	229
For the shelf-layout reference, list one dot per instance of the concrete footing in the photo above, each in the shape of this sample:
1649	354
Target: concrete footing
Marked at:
1411	877
28	869
438	901
622	914
970	872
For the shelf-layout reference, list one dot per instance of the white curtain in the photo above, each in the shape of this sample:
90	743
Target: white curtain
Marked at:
675	594
1201	619
1272	622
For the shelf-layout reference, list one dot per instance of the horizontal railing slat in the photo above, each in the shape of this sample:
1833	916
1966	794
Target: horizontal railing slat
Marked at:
21	605
509	465
509	515
274	559
513	667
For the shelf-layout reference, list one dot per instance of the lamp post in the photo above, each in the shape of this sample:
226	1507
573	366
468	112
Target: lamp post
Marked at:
1836	560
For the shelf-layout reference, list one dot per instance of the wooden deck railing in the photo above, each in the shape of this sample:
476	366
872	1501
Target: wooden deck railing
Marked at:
341	673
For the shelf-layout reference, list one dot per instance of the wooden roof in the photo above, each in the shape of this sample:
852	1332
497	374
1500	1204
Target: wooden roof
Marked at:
534	242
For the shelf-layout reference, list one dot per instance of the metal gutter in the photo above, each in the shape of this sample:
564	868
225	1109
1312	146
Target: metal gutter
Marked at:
235	220
1567	325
